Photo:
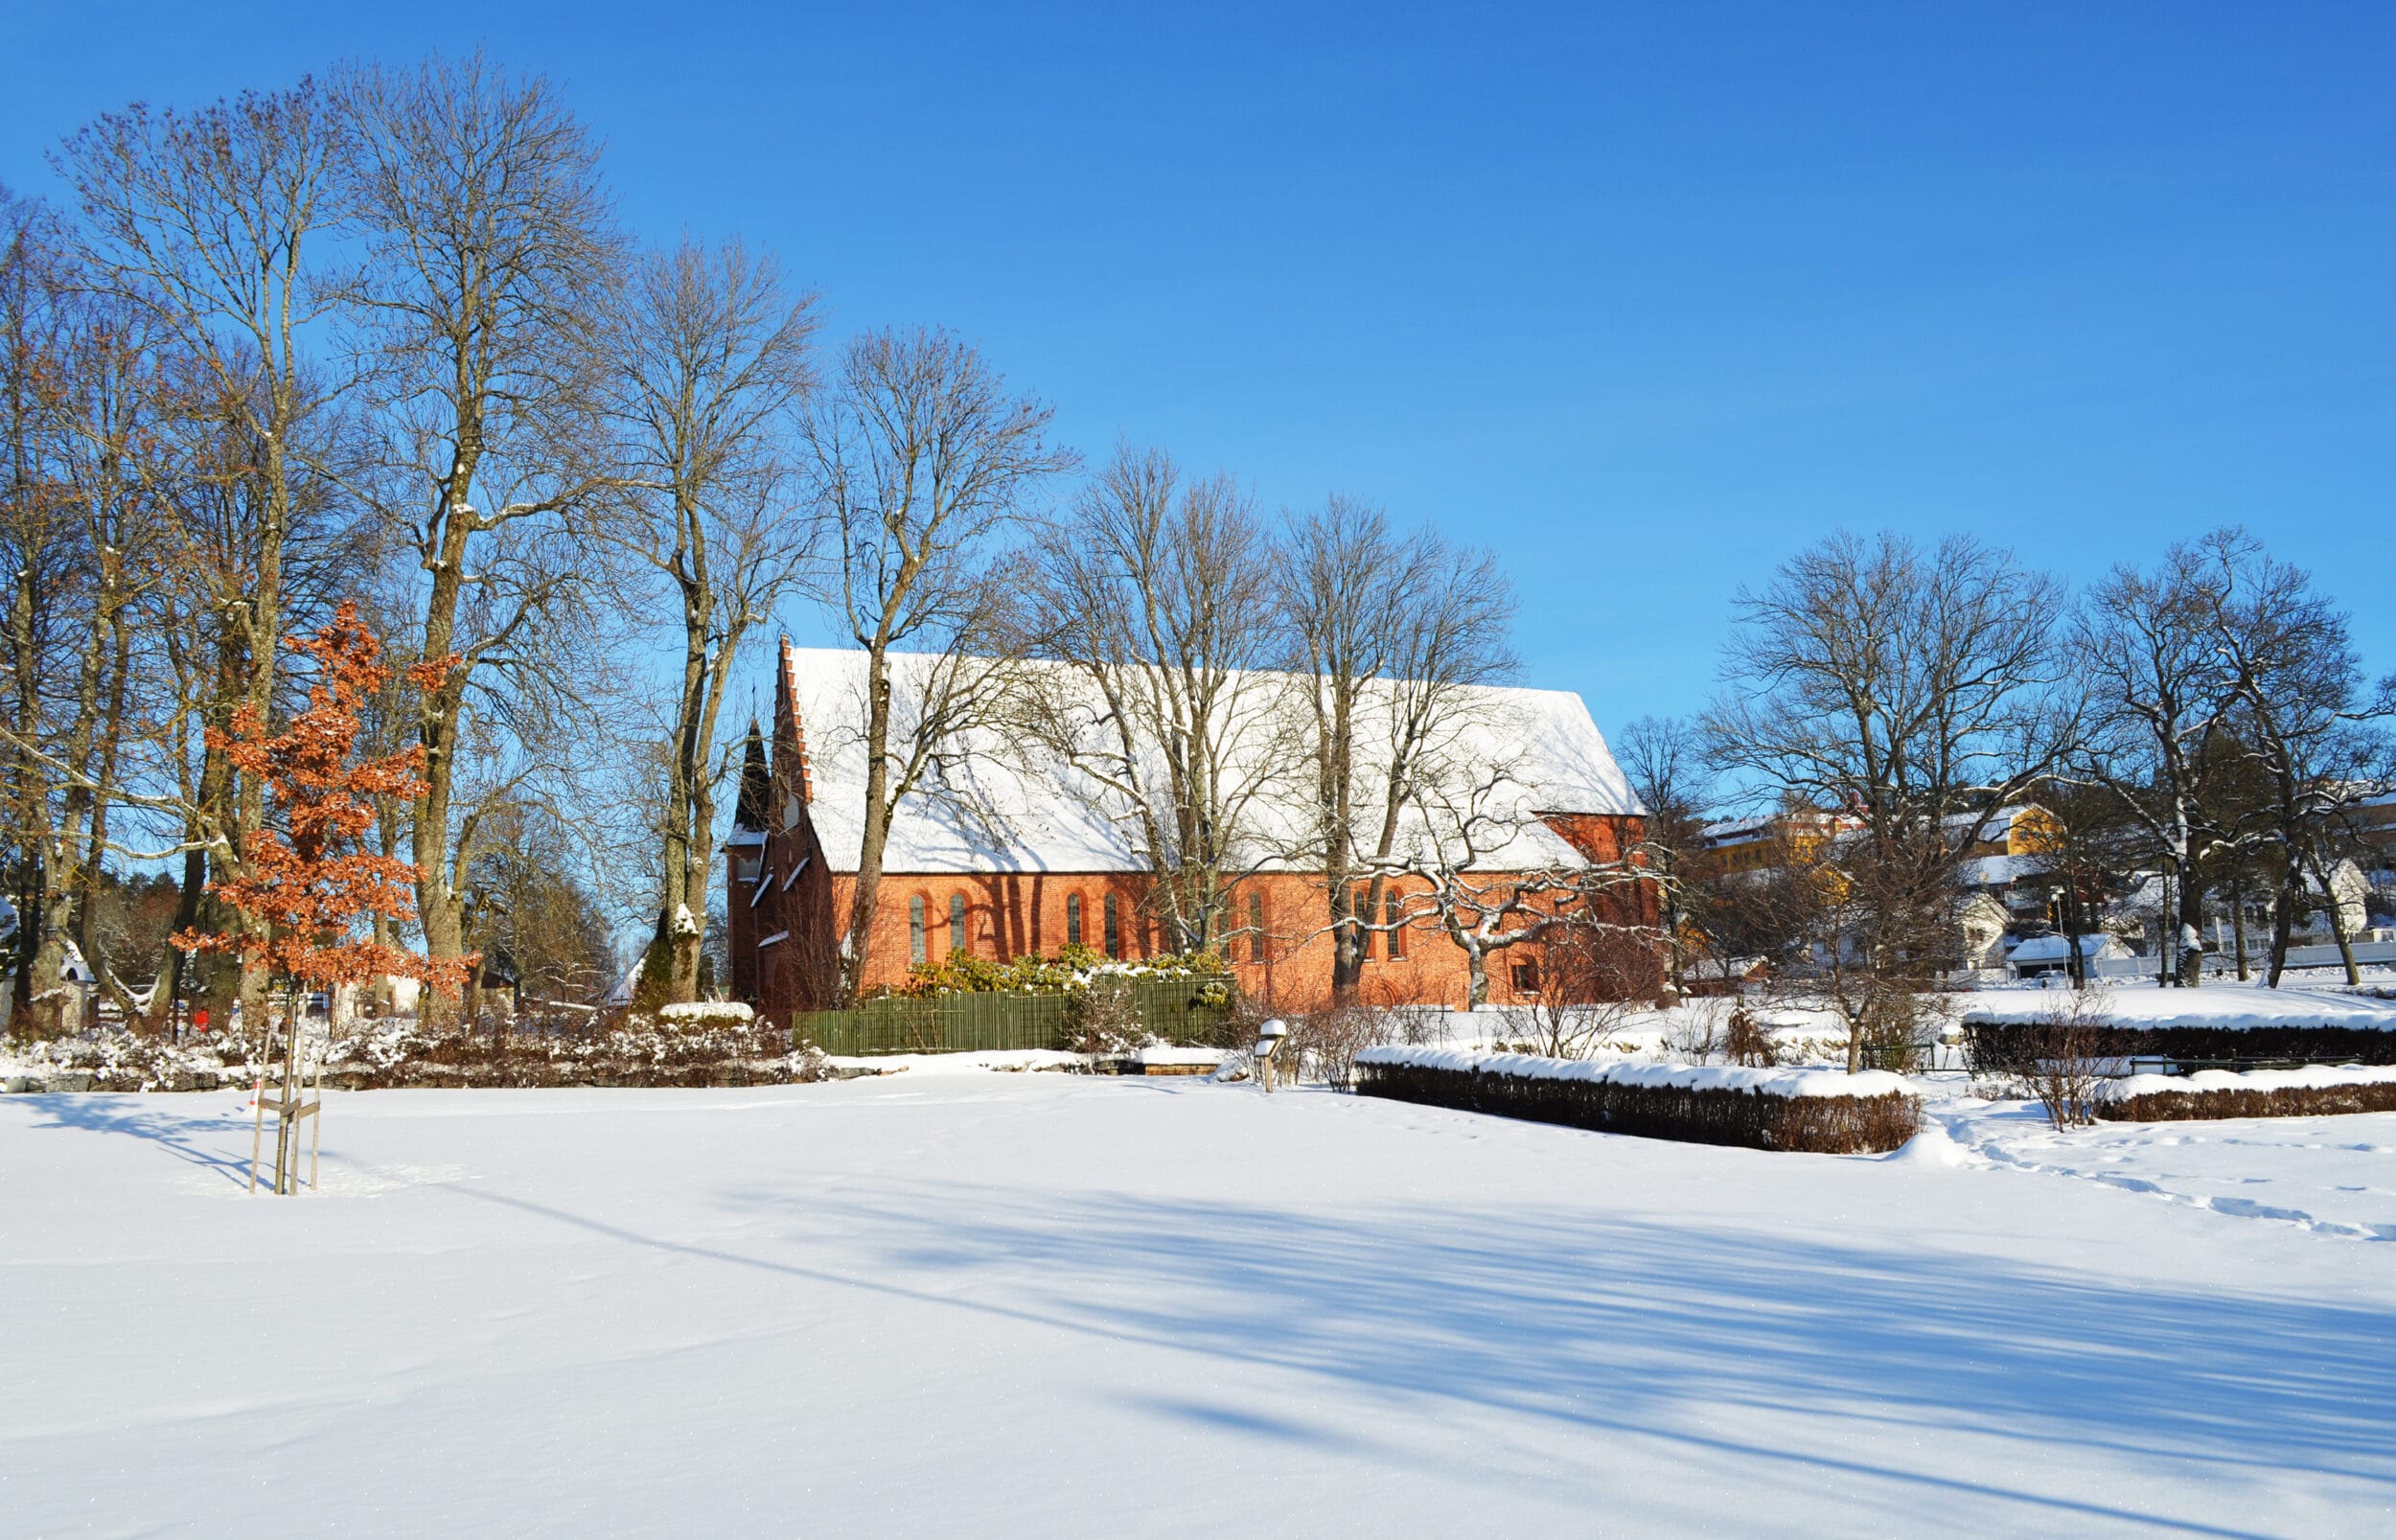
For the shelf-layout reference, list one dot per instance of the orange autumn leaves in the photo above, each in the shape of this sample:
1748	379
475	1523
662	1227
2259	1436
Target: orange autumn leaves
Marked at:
305	881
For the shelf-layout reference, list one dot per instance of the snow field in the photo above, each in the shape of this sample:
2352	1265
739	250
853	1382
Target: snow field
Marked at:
1018	1305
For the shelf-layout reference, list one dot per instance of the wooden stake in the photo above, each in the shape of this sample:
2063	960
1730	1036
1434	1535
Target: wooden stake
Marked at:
258	1129
316	1112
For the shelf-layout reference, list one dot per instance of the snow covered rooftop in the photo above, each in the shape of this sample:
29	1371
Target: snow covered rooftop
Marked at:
1995	871
1010	804
2058	949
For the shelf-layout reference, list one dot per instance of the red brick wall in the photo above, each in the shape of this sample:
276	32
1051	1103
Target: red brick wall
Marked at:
1009	914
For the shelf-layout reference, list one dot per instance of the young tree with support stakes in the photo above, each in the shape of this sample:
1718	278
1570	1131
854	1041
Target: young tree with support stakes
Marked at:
308	885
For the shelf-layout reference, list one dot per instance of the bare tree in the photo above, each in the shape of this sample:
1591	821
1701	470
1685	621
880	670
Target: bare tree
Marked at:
1389	634
1918	690
1663	757
2299	715
1161	595
711	369
213	222
119	474
36	541
1483	869
1573	1005
2159	699
491	251
924	466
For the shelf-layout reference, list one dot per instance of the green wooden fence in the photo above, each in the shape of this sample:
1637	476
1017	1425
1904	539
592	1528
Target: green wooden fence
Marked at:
978	1022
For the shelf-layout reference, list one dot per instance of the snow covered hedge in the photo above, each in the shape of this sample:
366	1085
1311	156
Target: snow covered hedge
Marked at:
2313	1091
1992	1045
698	1046
1813	1110
704	1045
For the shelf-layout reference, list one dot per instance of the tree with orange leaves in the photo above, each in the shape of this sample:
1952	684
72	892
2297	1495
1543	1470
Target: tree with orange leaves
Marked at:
305	885
305	881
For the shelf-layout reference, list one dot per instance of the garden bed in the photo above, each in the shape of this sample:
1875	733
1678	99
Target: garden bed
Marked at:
1818	1111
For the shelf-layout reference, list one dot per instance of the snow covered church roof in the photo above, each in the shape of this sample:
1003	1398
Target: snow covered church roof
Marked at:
1009	801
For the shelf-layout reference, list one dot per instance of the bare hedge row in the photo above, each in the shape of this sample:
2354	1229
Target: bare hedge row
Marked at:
2284	1101
1994	1046
1755	1120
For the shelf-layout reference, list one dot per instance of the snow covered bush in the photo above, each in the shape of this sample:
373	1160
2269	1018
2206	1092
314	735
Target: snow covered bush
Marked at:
2317	1090
1323	1043
1820	1111
706	1043
729	1011
1074	968
114	1059
2058	1059
1692	1034
1748	1042
1103	1017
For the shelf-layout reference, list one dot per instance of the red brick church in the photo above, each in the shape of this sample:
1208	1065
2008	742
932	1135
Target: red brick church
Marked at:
1030	860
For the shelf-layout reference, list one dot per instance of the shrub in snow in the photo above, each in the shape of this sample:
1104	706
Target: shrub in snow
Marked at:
112	1058
1104	1019
1074	969
1748	1042
706	1010
1820	1111
2058	1060
1322	1045
706	1047
2317	1090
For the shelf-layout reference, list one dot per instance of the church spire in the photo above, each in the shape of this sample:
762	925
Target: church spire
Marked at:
756	784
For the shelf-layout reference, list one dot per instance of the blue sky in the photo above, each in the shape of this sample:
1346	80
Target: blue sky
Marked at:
1645	298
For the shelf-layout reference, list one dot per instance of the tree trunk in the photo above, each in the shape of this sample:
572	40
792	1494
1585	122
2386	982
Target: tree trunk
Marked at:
2283	922
440	908
858	948
2187	946
2338	927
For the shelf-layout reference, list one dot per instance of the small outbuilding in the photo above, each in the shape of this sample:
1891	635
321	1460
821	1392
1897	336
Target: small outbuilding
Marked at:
2042	954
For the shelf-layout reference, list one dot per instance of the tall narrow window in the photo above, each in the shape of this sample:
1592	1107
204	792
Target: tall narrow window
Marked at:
1072	919
957	924
1360	905
1390	917
916	928
1256	927
1114	929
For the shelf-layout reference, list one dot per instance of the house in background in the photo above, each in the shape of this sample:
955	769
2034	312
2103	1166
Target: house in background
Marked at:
1017	853
2044	955
1772	841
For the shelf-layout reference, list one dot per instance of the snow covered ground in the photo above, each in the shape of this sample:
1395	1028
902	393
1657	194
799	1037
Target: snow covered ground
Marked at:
1036	1303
